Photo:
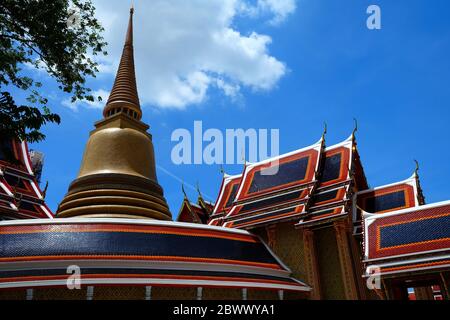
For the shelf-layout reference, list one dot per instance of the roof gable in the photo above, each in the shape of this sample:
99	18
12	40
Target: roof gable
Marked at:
396	196
19	191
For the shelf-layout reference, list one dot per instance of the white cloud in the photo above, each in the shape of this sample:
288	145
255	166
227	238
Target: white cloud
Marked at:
90	104
230	90
279	9
185	48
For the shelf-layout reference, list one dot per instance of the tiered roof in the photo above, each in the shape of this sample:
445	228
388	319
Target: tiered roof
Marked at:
224	203
20	195
199	212
168	254
319	184
407	240
395	196
275	189
311	185
331	194
401	233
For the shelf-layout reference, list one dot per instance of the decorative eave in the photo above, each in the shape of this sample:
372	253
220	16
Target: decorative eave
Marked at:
404	217
357	169
14	195
318	146
227	179
411	183
230	258
420	196
322	212
186	206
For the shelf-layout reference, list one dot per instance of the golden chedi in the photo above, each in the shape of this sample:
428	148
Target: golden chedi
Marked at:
118	176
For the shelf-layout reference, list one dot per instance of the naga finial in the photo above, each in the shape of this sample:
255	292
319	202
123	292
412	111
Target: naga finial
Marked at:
356	127
198	190
184	191
416	171
244	158
44	192
325	130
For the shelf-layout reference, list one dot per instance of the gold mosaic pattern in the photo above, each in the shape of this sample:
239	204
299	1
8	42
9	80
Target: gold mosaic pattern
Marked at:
59	294
332	286
222	294
288	246
262	295
119	293
174	293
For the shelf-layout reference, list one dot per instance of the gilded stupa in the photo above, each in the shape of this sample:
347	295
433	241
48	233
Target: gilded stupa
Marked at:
118	175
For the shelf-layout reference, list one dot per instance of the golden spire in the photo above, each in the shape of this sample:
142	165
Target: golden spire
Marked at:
117	177
124	96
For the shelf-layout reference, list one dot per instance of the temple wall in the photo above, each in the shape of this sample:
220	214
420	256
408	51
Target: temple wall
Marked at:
119	293
262	295
140	293
287	244
290	249
59	294
222	294
173	293
365	292
7	295
331	282
445	284
262	233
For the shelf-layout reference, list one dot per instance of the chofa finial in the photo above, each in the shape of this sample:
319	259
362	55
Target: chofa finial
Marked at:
356	127
416	171
325	130
44	192
244	159
198	190
184	191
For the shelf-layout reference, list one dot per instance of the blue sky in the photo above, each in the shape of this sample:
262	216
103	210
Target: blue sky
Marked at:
395	81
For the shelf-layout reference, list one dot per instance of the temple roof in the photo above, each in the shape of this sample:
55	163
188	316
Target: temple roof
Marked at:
20	195
273	189
395	196
337	162
408	240
169	253
191	212
195	212
332	191
225	199
309	184
289	170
